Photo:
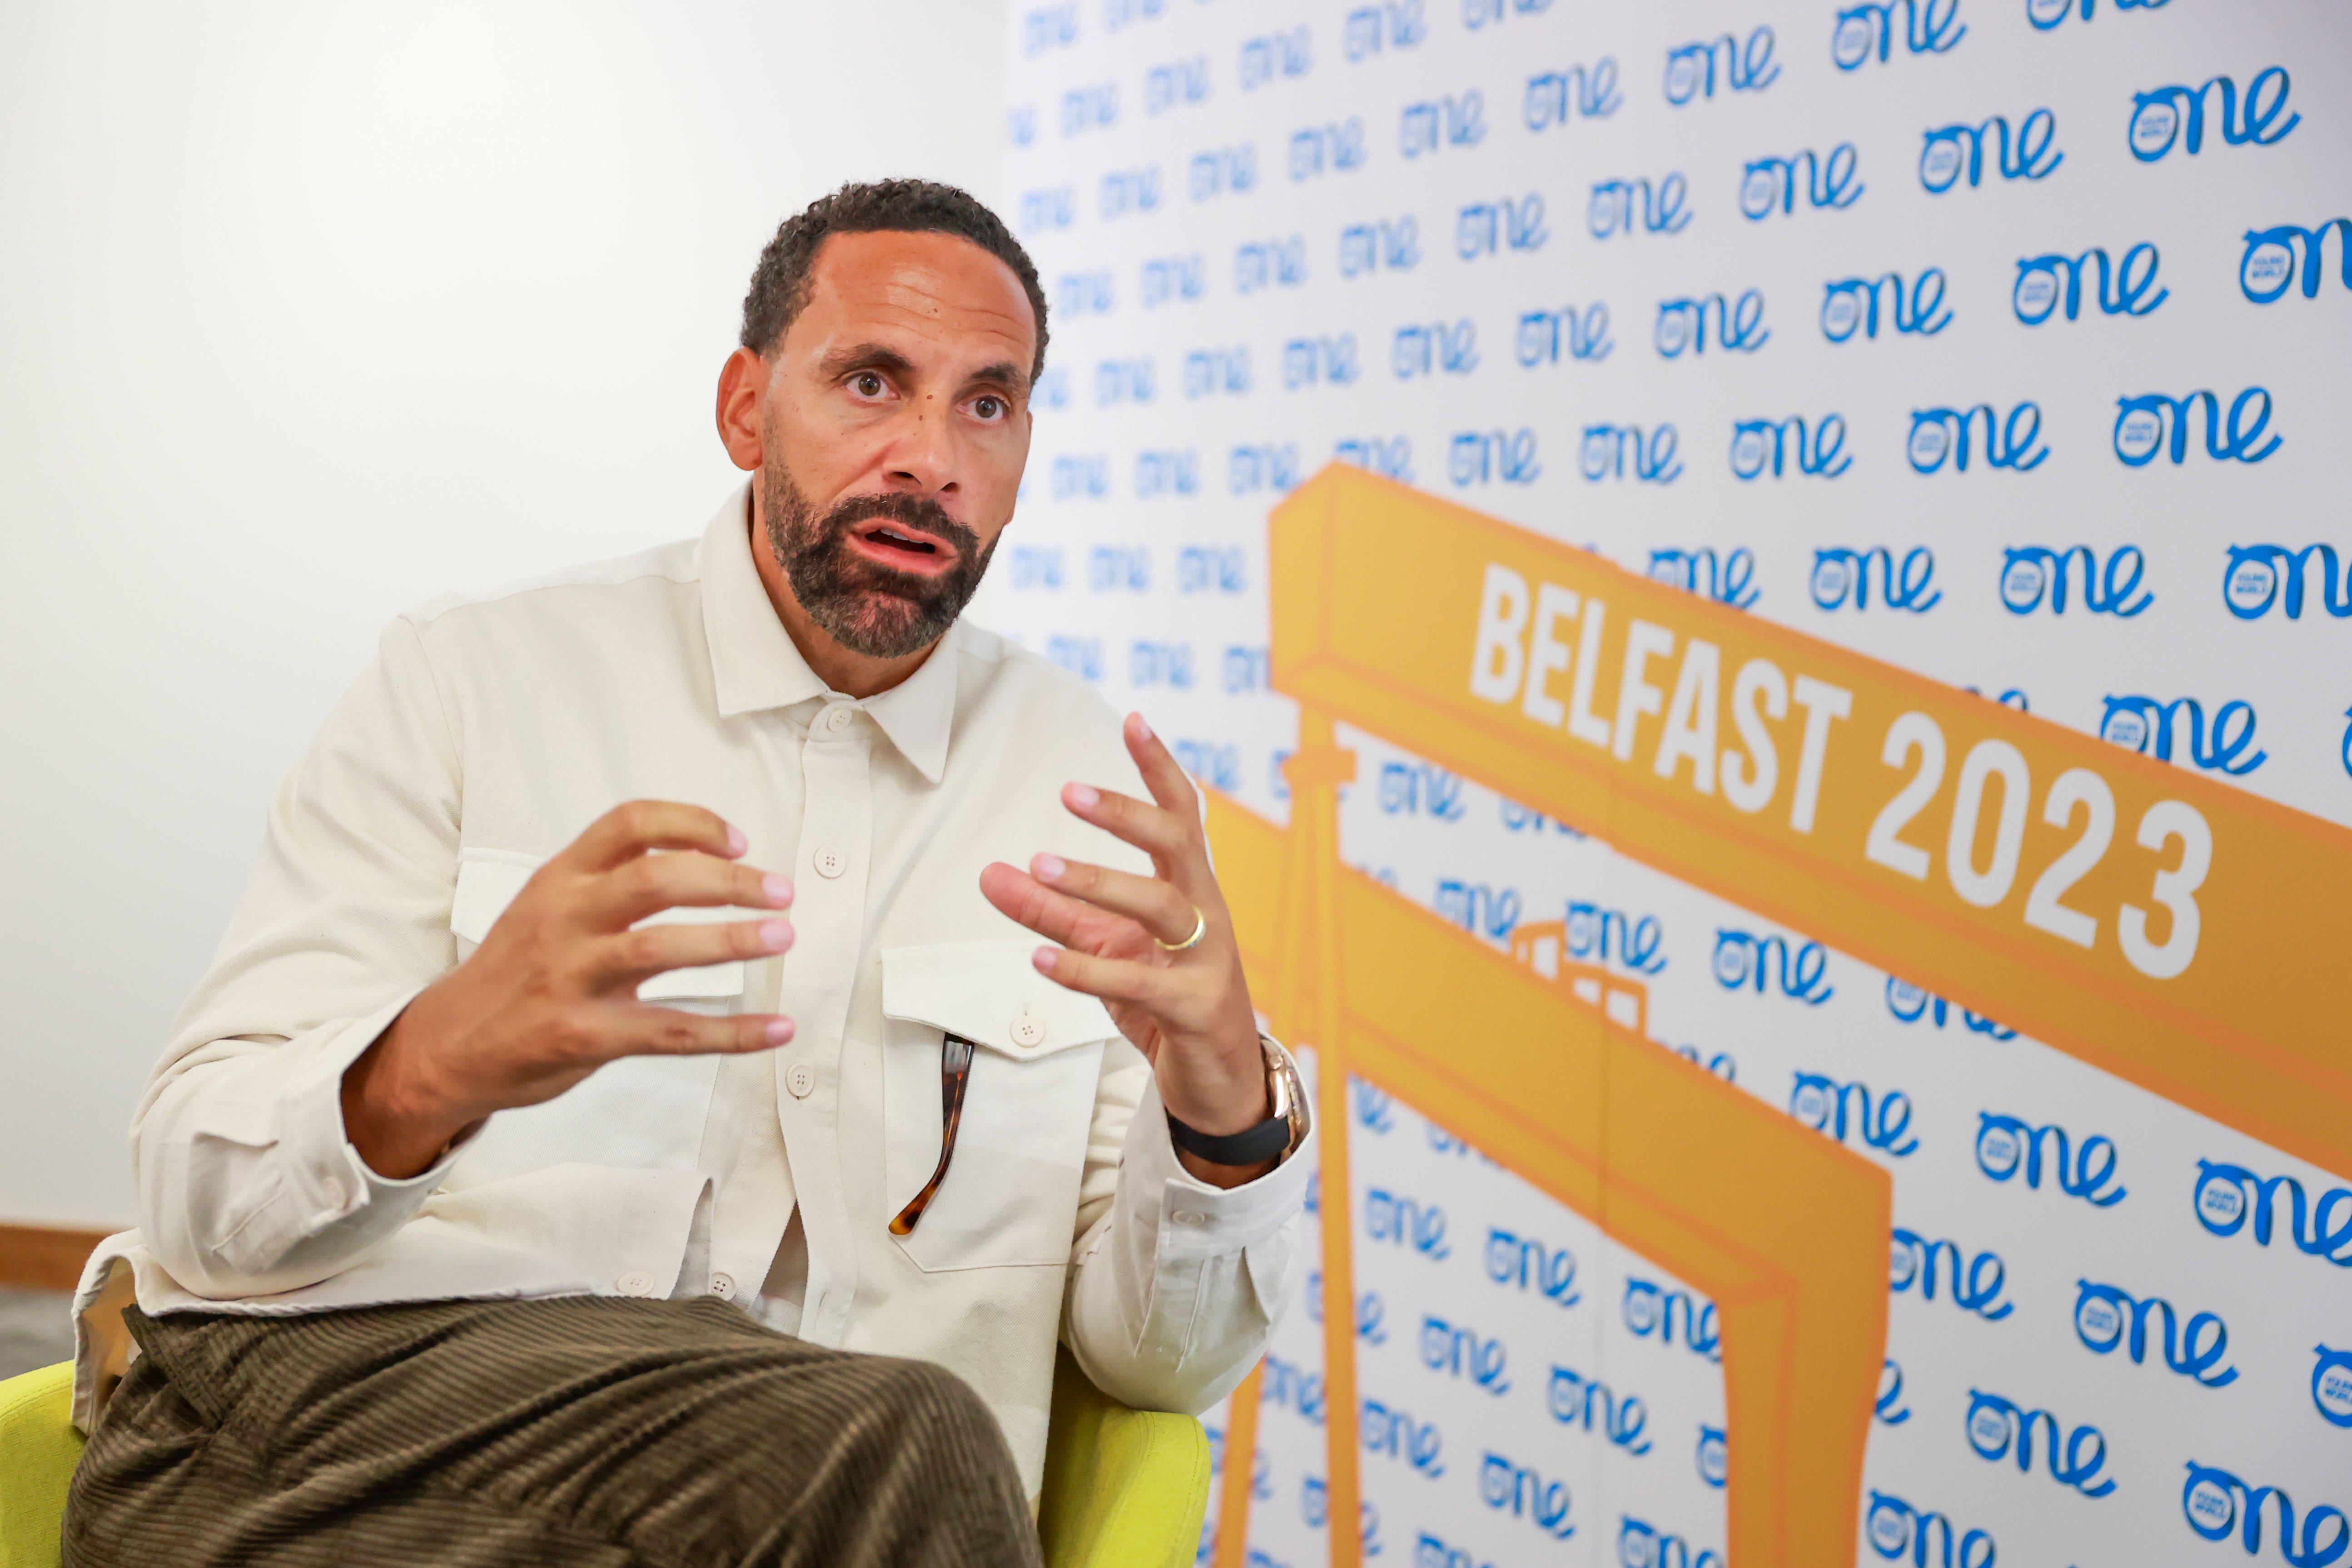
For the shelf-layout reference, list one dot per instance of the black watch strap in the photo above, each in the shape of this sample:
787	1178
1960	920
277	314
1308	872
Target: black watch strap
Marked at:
1252	1146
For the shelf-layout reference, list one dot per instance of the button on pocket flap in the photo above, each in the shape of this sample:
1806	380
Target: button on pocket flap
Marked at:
989	993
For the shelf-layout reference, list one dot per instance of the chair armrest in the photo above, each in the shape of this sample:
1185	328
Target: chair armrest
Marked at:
1124	1489
39	1450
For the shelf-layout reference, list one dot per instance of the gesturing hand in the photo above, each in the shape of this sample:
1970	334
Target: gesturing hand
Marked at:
1188	1011
551	993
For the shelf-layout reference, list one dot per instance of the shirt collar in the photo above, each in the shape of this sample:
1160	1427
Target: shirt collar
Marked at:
755	665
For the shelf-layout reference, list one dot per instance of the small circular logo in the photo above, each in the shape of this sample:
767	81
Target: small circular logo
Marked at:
2251	587
1759	191
2138	433
2099	1322
2267	272
1830	583
1903	1264
1840	313
1850	44
2211	1507
2125	729
2021	584
2153	126
1930	443
2331	1386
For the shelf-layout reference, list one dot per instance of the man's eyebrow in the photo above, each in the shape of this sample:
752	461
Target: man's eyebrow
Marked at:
1003	373
866	356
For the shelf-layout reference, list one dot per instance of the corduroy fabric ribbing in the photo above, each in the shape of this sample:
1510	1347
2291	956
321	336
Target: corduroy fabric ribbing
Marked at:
584	1431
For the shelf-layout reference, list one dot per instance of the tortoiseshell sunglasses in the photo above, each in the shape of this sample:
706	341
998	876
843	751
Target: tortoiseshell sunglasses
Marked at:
955	1073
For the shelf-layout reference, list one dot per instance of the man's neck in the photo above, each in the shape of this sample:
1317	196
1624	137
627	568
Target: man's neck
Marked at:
843	669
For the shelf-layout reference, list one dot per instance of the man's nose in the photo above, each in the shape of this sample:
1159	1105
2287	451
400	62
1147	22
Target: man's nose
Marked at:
923	456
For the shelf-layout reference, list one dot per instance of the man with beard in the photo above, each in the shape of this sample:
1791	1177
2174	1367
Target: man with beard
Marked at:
522	1187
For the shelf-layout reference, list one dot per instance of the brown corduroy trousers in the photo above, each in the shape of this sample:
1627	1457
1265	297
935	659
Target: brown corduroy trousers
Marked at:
582	1431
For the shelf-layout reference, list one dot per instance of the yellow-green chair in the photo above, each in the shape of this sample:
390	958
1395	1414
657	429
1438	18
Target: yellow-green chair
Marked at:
1124	1489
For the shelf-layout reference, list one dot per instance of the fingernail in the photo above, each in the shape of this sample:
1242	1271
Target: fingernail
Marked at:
736	842
1043	959
779	890
775	935
778	1030
1049	868
1142	728
1085	796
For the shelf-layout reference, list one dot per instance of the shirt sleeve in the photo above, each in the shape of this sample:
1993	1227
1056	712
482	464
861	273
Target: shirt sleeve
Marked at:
1175	1284
245	1181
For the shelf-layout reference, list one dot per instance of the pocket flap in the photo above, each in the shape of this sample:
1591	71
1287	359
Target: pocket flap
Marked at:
989	993
489	879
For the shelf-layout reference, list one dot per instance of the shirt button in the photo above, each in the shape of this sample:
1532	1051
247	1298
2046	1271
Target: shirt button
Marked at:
800	1078
723	1287
838	719
635	1283
1028	1030
831	862
1188	1216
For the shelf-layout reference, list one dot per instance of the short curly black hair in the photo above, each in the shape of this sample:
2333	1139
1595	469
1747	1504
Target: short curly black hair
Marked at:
779	284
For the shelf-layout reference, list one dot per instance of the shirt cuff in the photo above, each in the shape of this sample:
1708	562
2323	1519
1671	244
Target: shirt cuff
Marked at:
328	1180
1196	1219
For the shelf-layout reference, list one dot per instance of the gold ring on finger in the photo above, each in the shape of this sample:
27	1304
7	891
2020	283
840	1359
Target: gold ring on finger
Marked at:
1200	929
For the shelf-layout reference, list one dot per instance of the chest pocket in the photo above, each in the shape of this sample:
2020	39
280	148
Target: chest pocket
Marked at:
1011	1192
635	1112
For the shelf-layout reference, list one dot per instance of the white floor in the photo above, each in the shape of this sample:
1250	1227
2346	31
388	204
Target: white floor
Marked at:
34	1329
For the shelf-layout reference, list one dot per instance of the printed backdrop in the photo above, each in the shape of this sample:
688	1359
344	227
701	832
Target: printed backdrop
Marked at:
2002	340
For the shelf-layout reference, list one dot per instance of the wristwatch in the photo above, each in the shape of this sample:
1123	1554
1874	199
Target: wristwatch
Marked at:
1273	1138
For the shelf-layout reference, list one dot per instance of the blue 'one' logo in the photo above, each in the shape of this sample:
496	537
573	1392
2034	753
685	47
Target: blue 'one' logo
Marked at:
1950	153
1586	90
1743	958
1640	1544
1738	327
1822	1103
1319	362
2142	422
2209	1500
1546	337
1841	576
1760	444
1338	148
1222	170
1269	264
1406	28
1770	183
1478	908
1910	1003
1575	1400
2032	574
1526	1263
1624	206
1747	67
1249	469
1409	1222
1489	228
2145	725
2012	441
1976	1289
1413	788
1603	452
1463	1352
2222	1204
1176	83
2268	265
2047	14
2331	1385
1714	1457
1889	1407
1272	55
1650	1310
1860	30
1447	348
2005	1143
1366	247
2196	1350
1427	128
1603	936
1167	277
1851	305
2036	295
1477	457
1995	1424
1895	1529
1389	456
1727	580
1518	1490
2158	116
2252	581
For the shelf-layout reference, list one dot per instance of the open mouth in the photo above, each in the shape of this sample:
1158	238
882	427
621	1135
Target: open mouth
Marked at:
897	545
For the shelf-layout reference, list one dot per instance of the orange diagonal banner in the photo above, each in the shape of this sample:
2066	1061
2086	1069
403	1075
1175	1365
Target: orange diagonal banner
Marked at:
2129	912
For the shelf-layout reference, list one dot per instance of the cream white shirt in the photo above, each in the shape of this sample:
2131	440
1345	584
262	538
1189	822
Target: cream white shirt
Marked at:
489	733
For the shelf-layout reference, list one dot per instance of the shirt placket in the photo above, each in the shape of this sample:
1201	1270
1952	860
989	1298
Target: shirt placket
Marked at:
832	872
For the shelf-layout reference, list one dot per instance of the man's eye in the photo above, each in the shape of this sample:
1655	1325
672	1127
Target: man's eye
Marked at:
988	407
867	384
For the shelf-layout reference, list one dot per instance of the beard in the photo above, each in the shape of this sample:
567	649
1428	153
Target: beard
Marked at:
863	605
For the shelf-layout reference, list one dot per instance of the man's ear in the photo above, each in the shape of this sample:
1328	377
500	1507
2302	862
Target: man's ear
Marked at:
742	407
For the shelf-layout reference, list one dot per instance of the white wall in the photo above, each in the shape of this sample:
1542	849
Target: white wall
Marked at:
309	311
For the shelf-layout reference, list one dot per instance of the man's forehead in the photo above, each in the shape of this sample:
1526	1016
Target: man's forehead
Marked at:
932	285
